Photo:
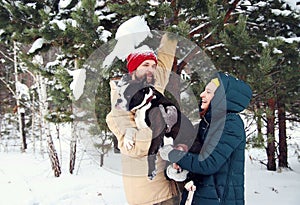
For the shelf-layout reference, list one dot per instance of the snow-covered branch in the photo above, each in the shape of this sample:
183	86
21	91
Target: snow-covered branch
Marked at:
9	58
8	87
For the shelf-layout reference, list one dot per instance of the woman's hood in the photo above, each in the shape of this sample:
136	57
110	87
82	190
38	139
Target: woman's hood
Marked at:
233	95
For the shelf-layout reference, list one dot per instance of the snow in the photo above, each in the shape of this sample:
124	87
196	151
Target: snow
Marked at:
129	35
38	43
22	91
62	24
265	187
293	4
278	12
288	40
64	3
27	179
30	178
77	85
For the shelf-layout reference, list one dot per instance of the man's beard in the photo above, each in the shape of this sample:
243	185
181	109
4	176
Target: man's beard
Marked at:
149	79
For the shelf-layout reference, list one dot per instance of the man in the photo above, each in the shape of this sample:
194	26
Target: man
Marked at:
134	144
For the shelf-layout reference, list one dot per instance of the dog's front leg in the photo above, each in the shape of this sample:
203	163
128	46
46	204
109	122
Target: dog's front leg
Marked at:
151	166
140	117
153	150
158	128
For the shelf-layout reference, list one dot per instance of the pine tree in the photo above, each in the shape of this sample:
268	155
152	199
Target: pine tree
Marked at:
275	30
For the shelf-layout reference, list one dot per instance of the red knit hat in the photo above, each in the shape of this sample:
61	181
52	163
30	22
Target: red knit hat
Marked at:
135	59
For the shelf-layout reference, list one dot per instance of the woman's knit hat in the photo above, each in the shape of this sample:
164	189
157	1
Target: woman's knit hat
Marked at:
135	59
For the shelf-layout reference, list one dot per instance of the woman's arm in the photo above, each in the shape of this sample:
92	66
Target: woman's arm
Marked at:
232	136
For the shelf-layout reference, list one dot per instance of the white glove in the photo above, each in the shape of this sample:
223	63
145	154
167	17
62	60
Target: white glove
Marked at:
164	152
170	116
177	175
129	138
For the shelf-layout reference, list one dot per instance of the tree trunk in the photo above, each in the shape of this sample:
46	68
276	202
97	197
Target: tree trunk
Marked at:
19	111
101	159
282	135
258	142
53	156
42	110
73	146
23	135
271	165
45	127
73	142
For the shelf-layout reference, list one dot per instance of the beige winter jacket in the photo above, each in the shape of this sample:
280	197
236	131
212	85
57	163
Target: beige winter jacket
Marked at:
138	188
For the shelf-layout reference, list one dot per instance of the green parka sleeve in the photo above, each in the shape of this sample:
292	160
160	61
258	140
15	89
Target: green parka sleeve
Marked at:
230	139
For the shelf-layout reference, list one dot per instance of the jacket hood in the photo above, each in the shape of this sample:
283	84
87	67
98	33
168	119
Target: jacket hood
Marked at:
233	95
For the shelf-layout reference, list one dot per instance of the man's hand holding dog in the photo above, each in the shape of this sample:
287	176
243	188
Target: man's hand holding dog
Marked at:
129	138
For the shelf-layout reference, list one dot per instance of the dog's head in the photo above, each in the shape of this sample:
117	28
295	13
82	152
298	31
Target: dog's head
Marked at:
133	94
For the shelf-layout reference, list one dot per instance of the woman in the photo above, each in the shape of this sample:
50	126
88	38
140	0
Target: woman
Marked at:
133	142
218	170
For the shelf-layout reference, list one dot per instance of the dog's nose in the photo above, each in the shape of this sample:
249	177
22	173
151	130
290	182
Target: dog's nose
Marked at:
119	101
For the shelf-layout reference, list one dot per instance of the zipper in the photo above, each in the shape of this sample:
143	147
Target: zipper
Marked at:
206	128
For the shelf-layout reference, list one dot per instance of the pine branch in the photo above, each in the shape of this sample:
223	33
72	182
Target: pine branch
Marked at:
231	9
6	56
227	16
294	119
267	90
187	58
8	87
199	29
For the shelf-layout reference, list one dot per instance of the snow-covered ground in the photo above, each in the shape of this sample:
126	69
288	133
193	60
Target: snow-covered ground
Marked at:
27	179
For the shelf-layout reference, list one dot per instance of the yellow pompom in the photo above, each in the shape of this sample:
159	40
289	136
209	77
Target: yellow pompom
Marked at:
216	82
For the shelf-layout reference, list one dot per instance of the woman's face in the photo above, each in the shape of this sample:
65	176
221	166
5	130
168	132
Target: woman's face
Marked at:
145	70
207	95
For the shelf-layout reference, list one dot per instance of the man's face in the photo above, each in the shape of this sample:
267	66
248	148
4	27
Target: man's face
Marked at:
145	70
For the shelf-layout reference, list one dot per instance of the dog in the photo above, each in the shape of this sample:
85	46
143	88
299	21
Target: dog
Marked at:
147	103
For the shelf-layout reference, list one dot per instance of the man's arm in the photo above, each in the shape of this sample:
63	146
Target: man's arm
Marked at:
165	56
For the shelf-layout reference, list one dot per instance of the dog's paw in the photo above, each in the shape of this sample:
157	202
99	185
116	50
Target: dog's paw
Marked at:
152	175
170	116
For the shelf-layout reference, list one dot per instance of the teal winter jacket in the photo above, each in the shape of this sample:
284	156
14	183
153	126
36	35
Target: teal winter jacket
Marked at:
218	170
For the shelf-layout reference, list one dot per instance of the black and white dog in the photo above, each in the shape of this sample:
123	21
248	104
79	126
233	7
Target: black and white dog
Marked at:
147	103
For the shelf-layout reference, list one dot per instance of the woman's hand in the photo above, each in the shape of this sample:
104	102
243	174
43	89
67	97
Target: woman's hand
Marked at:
182	147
